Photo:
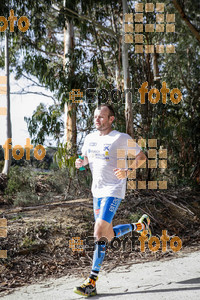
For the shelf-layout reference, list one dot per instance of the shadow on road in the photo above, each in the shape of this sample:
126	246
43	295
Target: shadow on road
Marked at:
146	292
190	281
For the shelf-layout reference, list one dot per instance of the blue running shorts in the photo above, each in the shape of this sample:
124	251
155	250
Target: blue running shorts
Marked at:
105	208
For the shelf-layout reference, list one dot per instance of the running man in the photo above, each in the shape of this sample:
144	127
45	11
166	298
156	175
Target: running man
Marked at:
108	187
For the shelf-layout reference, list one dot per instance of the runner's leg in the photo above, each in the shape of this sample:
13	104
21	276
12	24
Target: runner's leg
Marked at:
122	229
103	231
142	224
104	211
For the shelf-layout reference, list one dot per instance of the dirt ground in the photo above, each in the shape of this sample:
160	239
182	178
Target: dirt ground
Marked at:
38	238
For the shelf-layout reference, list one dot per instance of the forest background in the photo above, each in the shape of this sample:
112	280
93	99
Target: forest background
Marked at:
80	45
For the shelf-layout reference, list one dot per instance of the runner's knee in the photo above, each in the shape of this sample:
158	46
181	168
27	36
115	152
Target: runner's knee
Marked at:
100	233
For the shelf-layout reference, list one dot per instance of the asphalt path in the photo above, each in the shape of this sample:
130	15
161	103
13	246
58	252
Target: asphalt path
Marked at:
178	278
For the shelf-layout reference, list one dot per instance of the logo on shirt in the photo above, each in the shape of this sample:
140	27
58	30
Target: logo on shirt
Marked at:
92	144
106	149
93	151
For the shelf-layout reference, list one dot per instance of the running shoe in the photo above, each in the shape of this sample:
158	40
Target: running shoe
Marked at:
146	221
87	289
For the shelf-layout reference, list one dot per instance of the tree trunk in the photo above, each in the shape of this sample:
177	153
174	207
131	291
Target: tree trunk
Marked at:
156	74
118	68
7	163
126	72
192	28
70	108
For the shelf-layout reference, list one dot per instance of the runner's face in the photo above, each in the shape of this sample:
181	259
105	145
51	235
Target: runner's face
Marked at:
102	120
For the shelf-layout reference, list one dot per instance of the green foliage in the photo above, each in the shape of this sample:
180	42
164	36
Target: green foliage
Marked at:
64	159
44	121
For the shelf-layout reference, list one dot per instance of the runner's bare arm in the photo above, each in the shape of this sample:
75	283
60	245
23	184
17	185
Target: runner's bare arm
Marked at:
137	163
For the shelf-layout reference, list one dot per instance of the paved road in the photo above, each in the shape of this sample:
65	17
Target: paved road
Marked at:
178	278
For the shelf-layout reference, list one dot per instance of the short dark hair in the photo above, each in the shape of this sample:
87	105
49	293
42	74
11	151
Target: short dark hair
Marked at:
111	110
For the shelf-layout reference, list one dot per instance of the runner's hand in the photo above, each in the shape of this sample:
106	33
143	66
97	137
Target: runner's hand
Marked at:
121	174
79	163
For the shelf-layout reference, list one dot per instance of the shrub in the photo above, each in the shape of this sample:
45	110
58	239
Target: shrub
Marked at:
25	198
20	179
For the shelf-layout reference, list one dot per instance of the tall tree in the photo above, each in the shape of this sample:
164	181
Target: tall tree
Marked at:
127	86
70	107
7	162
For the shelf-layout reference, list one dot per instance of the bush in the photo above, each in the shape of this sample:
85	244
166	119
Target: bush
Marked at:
27	186
24	198
20	179
54	166
59	180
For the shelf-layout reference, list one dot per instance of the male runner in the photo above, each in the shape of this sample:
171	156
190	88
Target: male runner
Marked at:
108	187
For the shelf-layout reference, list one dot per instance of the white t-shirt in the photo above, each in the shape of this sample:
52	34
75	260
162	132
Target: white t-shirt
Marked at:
102	156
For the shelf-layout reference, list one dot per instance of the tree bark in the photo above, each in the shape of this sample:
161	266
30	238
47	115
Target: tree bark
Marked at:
70	108
156	74
7	163
126	72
